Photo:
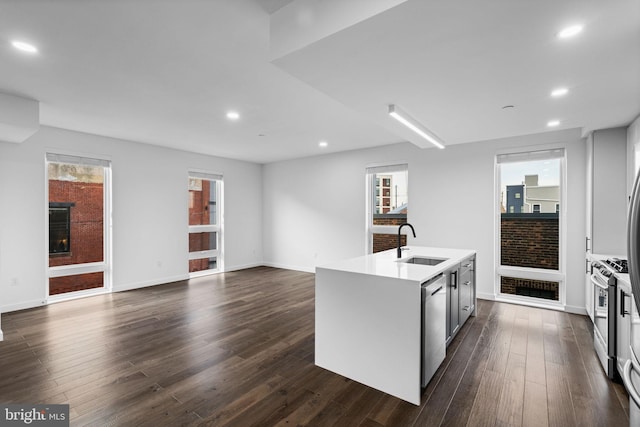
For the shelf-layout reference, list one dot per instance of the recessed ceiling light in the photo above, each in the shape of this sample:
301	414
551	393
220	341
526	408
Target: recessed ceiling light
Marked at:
553	123
233	115
25	47
507	107
323	144
561	91
570	31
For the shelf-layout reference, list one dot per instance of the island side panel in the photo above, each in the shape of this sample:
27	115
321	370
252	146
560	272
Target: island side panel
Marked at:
368	329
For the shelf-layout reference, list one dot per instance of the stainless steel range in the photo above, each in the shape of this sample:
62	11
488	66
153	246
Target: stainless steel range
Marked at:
604	312
619	265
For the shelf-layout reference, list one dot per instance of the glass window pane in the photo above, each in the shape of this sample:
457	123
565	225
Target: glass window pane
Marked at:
202	264
202	241
78	282
383	242
530	288
391	198
202	202
529	224
76	214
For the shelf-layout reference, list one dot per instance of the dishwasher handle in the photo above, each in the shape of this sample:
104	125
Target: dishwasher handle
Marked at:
433	286
436	291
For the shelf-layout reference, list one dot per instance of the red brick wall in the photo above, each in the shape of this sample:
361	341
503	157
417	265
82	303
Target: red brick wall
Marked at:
199	204
86	239
528	241
382	242
59	285
388	220
86	220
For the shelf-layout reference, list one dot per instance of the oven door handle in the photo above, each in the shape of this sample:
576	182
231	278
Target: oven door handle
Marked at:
626	379
595	281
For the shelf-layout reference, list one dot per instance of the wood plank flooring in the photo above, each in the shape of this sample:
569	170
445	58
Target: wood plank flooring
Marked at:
238	349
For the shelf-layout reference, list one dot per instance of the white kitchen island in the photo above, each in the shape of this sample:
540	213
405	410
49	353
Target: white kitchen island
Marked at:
368	317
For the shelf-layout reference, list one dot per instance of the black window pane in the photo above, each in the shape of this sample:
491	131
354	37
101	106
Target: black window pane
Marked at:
59	230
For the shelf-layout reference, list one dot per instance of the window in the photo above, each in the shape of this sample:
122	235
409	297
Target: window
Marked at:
78	204
387	205
205	223
60	228
529	250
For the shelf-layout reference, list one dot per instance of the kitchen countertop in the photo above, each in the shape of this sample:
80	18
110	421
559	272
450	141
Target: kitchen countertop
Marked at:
386	264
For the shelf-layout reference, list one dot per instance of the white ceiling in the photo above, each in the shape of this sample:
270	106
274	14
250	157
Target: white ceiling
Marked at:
165	72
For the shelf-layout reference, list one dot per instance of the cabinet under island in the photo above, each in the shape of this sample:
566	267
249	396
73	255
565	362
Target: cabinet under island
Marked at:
369	316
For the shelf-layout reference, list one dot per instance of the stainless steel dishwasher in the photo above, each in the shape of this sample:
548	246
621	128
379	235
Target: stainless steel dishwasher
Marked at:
434	325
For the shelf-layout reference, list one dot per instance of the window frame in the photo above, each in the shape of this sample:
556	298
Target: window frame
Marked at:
103	266
217	228
370	187
559	275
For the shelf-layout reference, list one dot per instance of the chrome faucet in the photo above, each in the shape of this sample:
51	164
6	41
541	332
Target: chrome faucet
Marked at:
400	244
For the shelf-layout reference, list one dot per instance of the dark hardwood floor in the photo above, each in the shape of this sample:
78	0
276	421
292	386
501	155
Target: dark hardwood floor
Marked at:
237	349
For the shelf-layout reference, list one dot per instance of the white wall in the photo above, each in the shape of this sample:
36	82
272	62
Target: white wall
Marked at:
295	214
150	212
315	207
633	153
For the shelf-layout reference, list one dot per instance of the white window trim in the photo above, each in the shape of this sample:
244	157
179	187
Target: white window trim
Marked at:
204	254
535	274
75	269
210	228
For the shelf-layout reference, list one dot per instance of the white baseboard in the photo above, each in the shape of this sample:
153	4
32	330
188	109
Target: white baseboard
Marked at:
547	306
243	267
289	267
482	295
147	283
22	305
575	309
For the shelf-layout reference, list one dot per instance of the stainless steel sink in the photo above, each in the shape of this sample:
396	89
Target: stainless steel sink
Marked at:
424	261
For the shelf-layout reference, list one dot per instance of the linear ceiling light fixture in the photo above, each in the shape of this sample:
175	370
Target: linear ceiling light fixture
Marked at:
414	125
